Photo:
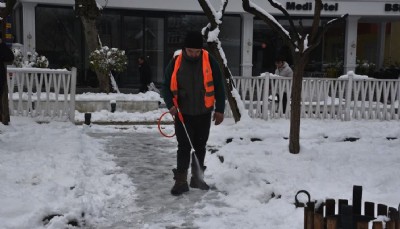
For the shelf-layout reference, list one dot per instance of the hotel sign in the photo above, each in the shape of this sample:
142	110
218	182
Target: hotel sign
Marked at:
308	6
392	7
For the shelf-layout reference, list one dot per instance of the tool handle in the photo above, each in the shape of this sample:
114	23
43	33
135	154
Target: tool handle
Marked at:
180	116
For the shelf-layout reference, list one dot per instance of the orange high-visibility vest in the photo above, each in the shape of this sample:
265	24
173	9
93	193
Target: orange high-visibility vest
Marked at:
207	80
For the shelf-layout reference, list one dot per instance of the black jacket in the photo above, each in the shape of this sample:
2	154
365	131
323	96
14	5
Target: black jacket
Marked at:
218	85
6	57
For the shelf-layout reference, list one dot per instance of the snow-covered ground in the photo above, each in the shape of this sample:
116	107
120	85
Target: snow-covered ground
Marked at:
57	169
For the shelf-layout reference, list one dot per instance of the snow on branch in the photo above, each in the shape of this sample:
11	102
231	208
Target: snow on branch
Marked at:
215	17
335	20
279	6
217	14
211	31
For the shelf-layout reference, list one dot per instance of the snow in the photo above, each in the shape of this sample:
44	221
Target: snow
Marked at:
89	96
217	14
213	34
354	76
57	168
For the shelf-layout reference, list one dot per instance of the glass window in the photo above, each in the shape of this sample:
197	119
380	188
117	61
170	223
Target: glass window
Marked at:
58	37
154	43
133	46
178	25
367	46
268	45
17	25
109	28
265	47
231	42
144	36
333	48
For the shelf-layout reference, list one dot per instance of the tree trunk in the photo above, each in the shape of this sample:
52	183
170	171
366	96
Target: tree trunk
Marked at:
295	111
91	36
4	108
228	82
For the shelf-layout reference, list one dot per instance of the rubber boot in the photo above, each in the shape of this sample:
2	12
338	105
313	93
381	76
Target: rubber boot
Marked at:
197	179
181	184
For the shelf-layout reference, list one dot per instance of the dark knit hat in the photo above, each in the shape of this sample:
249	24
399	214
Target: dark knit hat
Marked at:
280	58
194	39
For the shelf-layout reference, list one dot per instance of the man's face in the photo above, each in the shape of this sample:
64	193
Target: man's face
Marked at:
194	53
279	64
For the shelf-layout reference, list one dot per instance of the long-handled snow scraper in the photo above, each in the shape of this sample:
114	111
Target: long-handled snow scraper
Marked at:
195	161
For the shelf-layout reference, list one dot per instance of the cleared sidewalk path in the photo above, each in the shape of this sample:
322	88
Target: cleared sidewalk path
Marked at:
148	159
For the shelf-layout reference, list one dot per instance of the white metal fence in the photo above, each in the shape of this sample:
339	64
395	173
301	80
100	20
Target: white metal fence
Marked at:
42	93
323	98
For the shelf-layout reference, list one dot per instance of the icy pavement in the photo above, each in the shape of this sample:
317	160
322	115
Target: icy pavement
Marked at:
148	159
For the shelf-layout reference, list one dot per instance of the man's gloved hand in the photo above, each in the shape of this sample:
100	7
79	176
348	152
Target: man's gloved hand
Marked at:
173	111
218	118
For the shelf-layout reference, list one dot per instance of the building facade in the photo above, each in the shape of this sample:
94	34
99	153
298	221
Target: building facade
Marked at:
156	28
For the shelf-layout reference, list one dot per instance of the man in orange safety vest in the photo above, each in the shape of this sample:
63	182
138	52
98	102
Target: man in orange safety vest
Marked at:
193	87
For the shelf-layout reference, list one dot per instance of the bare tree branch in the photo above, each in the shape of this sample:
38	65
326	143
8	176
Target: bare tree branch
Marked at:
224	7
209	13
317	19
293	31
320	34
302	45
268	20
301	29
218	53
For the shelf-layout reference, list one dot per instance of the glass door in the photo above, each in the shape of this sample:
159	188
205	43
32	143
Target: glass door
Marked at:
144	36
133	45
154	43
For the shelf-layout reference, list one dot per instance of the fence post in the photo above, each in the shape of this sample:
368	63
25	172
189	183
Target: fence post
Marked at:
369	209
309	215
265	97
319	217
377	225
357	197
72	95
331	219
382	210
391	224
394	219
362	225
348	95
331	222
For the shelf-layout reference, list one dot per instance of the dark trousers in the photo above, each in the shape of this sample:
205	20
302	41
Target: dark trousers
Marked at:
198	128
284	101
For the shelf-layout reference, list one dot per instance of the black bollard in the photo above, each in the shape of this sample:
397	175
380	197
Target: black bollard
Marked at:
357	199
88	116
113	107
